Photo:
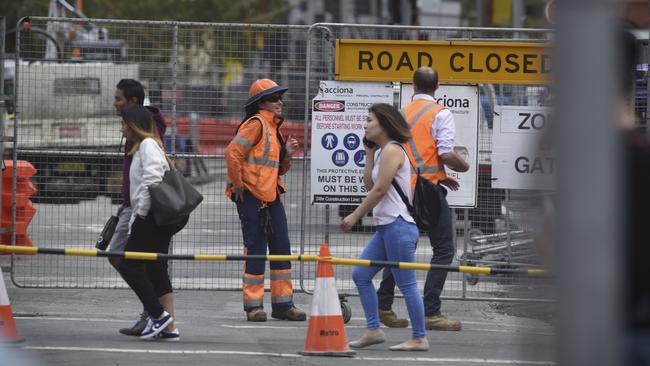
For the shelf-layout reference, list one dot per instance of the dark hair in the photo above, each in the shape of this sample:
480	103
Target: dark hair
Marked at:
426	80
140	121
132	88
139	117
252	110
392	121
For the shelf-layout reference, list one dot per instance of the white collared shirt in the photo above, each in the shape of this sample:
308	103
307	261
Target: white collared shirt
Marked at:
443	129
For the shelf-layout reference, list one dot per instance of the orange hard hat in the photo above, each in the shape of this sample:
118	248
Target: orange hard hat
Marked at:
261	88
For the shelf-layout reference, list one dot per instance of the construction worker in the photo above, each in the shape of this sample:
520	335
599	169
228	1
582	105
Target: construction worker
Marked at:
256	158
431	148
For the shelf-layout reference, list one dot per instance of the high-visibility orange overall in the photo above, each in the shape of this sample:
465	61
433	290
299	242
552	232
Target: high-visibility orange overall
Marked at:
253	159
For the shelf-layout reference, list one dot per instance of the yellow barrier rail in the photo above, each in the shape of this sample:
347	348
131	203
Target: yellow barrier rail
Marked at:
272	258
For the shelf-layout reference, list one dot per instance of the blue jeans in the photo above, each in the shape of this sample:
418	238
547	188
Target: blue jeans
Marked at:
442	244
394	242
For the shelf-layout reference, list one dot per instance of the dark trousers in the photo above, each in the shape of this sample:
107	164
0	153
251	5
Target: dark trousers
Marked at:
149	279
442	243
264	229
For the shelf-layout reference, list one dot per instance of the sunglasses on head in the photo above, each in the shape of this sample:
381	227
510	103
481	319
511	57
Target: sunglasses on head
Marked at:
272	98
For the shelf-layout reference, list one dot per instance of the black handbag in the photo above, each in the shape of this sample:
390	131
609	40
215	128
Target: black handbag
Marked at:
107	233
426	202
173	199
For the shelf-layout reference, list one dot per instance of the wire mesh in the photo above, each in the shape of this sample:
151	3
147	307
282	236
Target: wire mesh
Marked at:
198	74
495	215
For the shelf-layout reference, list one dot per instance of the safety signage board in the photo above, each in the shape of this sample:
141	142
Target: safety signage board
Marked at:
339	114
456	61
520	157
463	102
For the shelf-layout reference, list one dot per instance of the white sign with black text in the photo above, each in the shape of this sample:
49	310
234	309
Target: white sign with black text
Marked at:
463	102
339	114
520	159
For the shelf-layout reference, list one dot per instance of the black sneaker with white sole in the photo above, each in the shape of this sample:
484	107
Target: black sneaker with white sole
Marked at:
172	336
138	327
155	326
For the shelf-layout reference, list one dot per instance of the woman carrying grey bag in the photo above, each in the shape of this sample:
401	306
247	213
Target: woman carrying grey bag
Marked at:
148	279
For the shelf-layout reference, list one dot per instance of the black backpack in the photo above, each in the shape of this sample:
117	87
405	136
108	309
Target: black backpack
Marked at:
426	202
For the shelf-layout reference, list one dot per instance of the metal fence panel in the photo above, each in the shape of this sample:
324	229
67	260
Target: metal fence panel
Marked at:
199	74
503	217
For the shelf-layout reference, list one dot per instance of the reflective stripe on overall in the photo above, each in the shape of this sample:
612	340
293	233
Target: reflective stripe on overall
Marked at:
264	226
260	168
422	148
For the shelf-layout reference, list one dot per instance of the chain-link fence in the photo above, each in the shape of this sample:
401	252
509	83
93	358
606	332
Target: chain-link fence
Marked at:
198	74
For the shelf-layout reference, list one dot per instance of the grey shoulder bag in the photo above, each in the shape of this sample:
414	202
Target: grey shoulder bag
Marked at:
173	199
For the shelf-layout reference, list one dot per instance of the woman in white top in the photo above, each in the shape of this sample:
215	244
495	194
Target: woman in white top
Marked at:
396	233
148	279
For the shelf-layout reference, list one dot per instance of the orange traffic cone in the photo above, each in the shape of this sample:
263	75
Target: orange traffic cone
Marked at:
8	331
325	332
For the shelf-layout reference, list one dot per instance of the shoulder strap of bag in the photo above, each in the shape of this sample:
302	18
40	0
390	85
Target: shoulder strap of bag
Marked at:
399	189
409	207
164	154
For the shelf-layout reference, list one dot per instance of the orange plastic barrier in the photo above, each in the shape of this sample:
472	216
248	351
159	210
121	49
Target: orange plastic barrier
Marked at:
25	211
216	134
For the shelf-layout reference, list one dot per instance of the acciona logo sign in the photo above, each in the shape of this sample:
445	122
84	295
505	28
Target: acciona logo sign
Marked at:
451	102
336	90
330	106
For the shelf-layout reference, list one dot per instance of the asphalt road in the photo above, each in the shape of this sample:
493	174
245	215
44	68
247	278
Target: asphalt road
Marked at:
79	327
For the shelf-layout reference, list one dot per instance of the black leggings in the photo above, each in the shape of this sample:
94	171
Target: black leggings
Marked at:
149	279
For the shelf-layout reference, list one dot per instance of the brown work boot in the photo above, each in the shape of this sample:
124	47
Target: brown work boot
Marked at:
440	322
293	314
256	315
390	319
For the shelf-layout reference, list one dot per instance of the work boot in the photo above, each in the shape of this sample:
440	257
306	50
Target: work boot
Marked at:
293	314
390	319
440	322
256	315
138	327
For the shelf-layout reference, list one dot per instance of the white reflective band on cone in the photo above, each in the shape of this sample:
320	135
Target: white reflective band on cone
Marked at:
4	297
326	299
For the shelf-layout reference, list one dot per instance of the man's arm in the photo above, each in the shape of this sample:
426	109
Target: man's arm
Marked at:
443	132
454	162
237	151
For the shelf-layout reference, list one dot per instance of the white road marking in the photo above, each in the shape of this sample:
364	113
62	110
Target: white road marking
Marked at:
484	361
517	329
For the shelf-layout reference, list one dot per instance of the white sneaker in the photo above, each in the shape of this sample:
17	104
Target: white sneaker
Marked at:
155	326
172	336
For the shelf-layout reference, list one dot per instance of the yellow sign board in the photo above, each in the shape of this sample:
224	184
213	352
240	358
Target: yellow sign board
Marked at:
455	61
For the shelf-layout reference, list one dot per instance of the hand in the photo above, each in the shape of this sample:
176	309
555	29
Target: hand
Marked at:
348	222
451	183
291	145
238	194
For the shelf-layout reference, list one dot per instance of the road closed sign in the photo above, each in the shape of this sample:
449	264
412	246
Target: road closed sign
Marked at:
520	158
456	61
339	114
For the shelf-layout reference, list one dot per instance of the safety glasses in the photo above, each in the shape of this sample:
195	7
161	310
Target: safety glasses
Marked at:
272	98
